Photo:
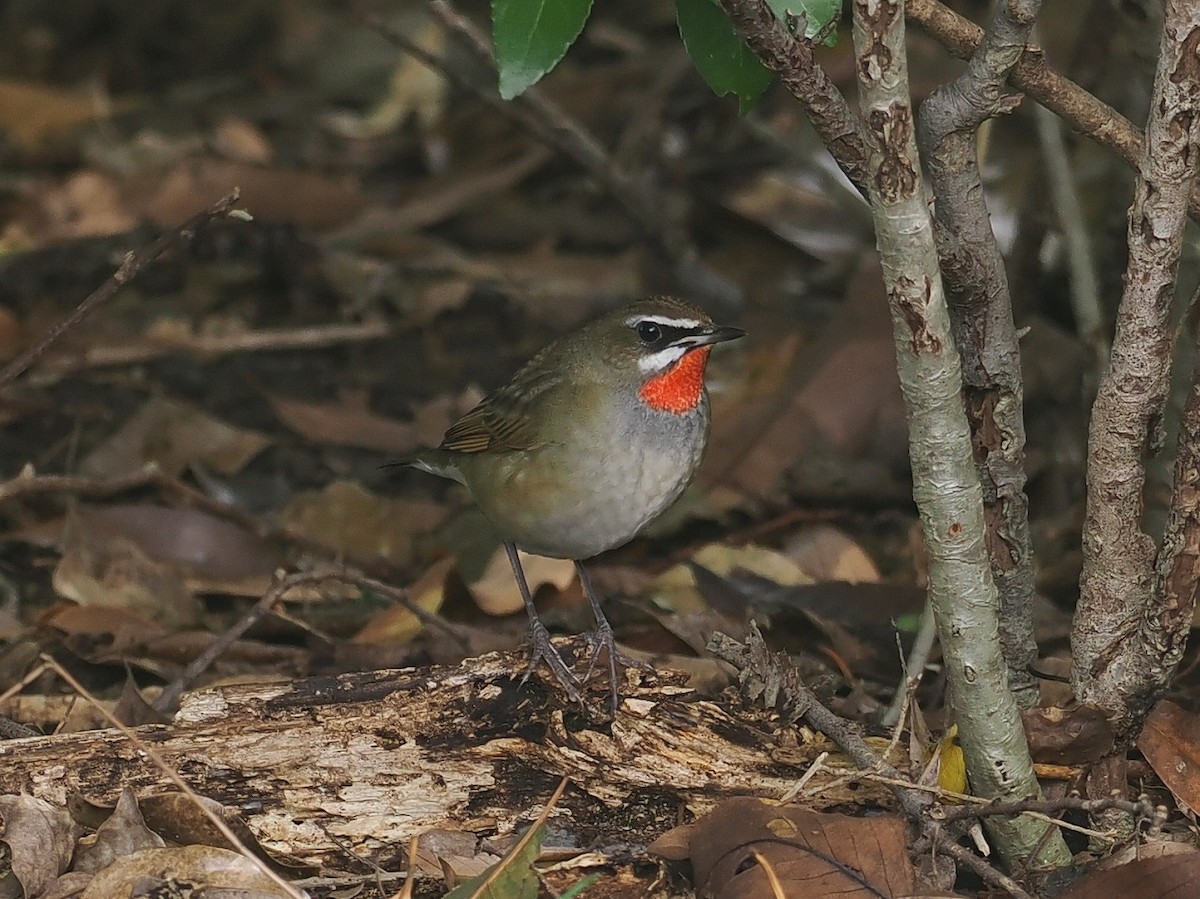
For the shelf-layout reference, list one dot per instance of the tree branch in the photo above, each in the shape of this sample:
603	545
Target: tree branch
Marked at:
981	310
945	483
1118	647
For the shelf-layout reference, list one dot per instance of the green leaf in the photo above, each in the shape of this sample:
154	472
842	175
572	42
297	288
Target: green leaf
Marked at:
512	877
531	36
725	62
579	888
819	16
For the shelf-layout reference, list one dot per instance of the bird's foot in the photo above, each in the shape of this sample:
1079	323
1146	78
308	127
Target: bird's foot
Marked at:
542	650
602	640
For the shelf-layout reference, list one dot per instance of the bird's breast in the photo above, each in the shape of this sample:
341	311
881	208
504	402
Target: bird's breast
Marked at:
596	486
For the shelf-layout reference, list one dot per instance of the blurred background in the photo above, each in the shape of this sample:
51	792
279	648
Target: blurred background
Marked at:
413	243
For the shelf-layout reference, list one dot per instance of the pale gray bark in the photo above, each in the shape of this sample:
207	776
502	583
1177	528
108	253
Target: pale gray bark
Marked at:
1127	630
981	311
945	483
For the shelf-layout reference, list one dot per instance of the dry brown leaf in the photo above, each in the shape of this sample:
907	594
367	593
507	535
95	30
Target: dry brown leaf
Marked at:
800	211
1170	740
206	869
828	554
87	204
675	589
12	334
456	850
496	591
98	568
345	422
307	199
69	885
348	518
133	708
210	554
397	624
1080	735
414	89
123	833
31	112
813	854
237	138
178	818
174	435
838	402
1164	877
40	839
431	420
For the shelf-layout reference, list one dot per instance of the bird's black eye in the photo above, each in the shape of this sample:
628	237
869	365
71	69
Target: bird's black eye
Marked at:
648	332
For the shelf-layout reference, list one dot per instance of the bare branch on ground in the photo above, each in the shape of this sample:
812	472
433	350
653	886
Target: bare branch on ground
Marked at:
129	269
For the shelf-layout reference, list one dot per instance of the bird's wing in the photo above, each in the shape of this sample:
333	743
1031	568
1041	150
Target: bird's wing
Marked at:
502	420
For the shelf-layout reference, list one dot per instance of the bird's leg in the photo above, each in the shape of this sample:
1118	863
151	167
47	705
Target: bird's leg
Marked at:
602	639
540	647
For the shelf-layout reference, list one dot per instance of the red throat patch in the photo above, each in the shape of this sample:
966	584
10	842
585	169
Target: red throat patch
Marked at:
678	389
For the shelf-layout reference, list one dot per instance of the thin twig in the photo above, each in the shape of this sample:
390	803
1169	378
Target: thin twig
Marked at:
173	776
1083	112
1068	209
129	269
914	668
212	345
29	483
551	124
772	678
795	62
280	586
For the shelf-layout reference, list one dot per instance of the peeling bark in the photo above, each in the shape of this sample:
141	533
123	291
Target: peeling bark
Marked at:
373	759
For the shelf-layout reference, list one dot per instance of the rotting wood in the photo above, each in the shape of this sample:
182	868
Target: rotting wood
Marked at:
371	759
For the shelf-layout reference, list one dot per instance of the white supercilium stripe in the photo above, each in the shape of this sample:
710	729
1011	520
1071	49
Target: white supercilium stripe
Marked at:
663	320
663	359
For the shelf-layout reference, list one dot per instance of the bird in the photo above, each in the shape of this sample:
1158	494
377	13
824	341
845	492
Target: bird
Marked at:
590	441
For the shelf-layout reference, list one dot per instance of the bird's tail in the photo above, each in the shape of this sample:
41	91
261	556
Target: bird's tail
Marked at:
438	462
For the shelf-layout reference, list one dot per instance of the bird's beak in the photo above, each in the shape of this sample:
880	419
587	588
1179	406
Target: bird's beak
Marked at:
710	335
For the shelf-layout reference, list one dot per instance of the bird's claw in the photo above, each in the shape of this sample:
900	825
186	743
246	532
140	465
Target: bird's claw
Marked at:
602	640
542	650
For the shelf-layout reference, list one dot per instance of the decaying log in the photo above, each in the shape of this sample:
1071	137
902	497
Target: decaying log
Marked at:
370	759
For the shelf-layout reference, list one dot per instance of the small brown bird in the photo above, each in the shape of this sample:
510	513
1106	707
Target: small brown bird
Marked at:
590	441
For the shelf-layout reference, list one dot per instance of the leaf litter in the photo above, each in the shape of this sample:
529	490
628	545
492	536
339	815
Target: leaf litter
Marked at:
410	248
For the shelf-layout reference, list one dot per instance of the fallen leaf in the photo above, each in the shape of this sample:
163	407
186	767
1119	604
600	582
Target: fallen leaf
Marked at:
31	112
173	435
111	570
237	138
1170	740
1079	735
349	519
86	204
676	588
1164	877
122	833
40	839
496	592
306	199
799	209
828	554
812	854
414	89
205	869
396	624
346	422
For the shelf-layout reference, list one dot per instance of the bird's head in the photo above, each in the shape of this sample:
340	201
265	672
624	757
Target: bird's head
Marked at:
661	345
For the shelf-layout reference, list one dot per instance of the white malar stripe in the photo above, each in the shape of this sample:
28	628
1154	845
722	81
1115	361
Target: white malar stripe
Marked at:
663	359
663	320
